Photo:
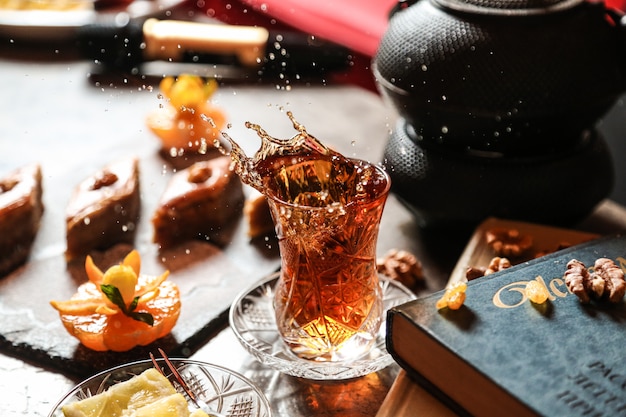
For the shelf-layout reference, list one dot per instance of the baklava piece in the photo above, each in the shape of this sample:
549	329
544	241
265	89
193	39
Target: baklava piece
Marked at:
104	209
198	203
257	213
21	208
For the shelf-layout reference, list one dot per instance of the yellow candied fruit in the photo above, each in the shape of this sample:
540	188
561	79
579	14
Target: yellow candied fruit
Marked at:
536	292
187	92
454	296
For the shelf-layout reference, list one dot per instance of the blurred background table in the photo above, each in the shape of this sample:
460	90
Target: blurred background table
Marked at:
53	101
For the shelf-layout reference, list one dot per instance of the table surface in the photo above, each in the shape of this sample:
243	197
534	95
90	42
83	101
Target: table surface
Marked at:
54	106
52	100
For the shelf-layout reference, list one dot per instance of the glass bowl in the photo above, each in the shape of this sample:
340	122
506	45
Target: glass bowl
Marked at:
227	393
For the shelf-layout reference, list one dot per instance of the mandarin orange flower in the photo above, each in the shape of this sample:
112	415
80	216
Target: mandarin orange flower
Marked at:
121	308
189	122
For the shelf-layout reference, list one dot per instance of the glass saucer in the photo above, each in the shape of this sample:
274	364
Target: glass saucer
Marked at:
252	320
227	393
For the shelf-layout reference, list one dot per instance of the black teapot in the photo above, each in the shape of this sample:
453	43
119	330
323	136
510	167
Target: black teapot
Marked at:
498	102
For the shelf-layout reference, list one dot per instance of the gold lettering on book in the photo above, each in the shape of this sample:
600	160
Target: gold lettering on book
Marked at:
514	294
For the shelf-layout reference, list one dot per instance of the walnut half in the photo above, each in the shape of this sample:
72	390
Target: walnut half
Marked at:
402	266
576	278
613	276
508	242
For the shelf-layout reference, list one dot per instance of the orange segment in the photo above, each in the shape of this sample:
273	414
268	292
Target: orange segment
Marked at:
77	307
133	260
148	283
93	272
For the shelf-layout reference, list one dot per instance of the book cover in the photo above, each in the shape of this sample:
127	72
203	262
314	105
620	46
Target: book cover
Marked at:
501	355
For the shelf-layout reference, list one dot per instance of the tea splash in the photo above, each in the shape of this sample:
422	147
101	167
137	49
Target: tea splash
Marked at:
327	210
279	166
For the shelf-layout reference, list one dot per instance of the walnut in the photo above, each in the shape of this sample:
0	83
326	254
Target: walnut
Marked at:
496	264
199	174
508	242
402	266
474	272
605	283
104	179
613	277
560	246
576	278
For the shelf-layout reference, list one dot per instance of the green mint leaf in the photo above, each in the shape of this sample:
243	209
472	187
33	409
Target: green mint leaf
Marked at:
114	295
143	317
133	305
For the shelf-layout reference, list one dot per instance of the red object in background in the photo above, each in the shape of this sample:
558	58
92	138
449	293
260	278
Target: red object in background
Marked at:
616	4
355	24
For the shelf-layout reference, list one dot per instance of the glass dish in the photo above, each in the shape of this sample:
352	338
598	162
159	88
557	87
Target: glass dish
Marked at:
252	320
226	392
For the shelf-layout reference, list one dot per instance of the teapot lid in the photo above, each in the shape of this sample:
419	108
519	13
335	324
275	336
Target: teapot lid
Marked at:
508	7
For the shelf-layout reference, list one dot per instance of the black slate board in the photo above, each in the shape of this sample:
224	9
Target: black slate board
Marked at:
31	329
209	276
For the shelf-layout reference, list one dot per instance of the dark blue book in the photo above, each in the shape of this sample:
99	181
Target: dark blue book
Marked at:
501	355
